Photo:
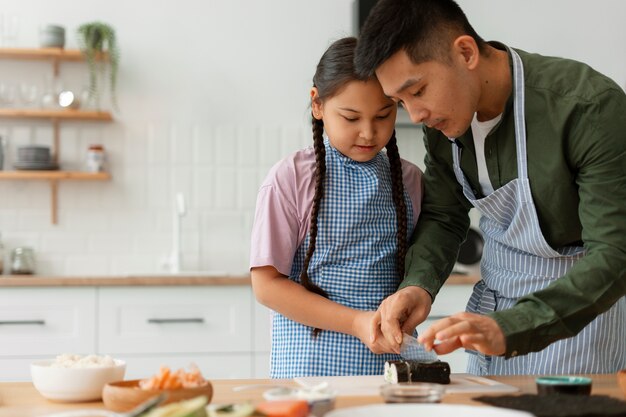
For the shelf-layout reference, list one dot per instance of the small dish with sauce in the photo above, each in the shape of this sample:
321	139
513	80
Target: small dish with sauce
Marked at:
576	385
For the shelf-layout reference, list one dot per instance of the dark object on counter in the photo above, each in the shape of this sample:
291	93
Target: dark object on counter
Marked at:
560	405
471	250
563	385
414	371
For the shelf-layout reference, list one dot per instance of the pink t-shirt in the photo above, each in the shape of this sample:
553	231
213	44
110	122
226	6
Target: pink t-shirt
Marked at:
284	205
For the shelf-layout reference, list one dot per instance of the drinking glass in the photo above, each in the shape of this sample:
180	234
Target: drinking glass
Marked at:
8	93
29	93
10	28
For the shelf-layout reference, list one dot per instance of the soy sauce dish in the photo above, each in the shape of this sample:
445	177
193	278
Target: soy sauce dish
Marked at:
563	385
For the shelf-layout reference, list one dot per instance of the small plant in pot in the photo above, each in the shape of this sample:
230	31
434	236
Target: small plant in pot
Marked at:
94	40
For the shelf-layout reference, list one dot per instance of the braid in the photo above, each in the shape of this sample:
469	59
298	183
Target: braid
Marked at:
320	173
397	191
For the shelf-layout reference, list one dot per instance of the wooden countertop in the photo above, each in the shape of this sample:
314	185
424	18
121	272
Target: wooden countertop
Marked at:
156	280
21	398
110	281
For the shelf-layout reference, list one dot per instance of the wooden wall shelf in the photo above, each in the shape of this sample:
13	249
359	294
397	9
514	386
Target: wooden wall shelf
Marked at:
60	114
56	55
56	116
41	53
55	175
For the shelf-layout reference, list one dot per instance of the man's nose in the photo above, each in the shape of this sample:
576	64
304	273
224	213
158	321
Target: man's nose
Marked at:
417	113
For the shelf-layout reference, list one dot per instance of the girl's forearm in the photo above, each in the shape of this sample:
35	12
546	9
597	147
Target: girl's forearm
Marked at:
297	303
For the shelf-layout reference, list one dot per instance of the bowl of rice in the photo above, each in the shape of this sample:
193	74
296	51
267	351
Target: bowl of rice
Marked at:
75	378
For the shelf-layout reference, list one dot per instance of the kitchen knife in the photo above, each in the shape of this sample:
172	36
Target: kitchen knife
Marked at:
411	349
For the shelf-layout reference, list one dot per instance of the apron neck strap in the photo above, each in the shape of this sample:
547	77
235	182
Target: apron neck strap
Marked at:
519	114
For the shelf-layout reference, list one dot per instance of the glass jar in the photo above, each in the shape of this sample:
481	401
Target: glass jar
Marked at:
1	153
22	261
95	158
1	256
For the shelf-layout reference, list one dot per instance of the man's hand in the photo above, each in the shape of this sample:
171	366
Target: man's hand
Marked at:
465	330
361	328
400	313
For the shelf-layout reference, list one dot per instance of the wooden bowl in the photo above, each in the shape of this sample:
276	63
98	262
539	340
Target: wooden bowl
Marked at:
126	395
621	380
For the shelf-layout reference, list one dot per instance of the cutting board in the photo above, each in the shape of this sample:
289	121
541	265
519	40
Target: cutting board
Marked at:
368	385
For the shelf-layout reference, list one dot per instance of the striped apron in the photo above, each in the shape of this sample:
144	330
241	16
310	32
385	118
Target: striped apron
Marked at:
354	262
518	261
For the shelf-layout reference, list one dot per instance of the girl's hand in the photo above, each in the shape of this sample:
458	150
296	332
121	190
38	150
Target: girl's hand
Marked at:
362	328
465	330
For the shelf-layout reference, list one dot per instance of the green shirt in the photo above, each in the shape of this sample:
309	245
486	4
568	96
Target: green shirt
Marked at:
576	140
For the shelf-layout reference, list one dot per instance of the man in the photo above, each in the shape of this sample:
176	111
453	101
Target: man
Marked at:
538	146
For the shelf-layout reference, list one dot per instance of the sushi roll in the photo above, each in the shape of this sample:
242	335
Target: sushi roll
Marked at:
397	371
414	371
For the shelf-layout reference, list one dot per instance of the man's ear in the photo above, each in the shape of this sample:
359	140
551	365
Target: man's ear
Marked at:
466	48
316	104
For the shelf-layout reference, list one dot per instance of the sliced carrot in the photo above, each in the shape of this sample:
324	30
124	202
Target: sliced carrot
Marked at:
166	379
286	408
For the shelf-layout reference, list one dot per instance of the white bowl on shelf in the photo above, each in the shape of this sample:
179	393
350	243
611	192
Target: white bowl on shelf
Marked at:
74	384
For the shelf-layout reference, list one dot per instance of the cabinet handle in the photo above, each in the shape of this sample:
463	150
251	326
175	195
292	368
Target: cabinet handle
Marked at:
168	321
12	322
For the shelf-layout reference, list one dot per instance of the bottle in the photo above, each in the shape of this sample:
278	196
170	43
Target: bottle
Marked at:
95	158
1	256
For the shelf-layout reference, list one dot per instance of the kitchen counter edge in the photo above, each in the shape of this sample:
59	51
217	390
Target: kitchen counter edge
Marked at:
156	280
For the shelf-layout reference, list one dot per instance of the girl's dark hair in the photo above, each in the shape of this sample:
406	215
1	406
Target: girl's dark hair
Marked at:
334	71
423	28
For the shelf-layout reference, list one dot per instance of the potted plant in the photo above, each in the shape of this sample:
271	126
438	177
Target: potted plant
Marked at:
94	40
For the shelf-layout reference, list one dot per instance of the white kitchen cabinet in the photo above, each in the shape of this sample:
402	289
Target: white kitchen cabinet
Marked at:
174	320
39	323
176	326
146	326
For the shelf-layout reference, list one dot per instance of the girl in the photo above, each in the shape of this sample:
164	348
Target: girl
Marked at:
331	228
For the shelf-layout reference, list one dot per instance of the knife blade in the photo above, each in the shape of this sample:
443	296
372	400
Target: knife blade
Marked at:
411	349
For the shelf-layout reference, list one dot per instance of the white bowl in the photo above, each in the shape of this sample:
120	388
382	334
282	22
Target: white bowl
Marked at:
74	384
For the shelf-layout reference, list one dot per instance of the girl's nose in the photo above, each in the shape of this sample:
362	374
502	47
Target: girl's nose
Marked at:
367	131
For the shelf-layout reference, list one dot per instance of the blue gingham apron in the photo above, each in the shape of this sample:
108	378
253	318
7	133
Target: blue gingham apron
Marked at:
354	262
518	261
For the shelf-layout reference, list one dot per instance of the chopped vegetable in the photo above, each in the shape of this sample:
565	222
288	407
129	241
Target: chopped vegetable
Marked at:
231	410
195	407
165	379
284	408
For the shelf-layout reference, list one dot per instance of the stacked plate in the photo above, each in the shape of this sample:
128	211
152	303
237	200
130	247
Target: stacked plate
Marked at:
34	157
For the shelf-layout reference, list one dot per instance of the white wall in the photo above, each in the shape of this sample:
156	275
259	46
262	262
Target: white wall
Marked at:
589	31
211	94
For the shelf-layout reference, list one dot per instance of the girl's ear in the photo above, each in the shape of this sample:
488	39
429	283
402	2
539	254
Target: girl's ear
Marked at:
316	104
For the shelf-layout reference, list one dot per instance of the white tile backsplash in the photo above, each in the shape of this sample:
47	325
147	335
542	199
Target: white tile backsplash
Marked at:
125	225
